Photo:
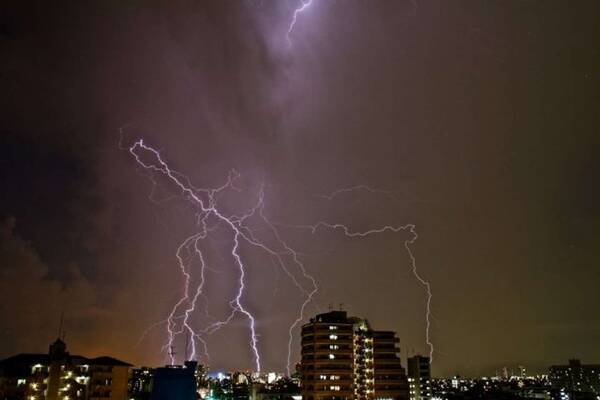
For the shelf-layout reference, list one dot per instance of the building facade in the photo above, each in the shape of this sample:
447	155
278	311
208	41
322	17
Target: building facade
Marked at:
576	380
419	377
140	383
59	375
344	359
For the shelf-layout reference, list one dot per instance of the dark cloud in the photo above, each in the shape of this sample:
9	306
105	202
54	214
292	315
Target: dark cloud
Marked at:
32	301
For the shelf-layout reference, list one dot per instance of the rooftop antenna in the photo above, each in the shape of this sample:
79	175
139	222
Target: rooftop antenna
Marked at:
187	343
172	352
60	325
330	306
341	306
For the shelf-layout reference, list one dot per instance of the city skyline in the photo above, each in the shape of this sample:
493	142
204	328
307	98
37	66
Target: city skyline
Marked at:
406	356
364	367
334	326
460	136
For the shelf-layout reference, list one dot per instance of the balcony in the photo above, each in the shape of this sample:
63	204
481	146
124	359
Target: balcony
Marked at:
389	369
390	360
335	362
330	369
386	350
327	340
396	381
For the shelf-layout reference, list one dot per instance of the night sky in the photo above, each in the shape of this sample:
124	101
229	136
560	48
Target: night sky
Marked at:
481	119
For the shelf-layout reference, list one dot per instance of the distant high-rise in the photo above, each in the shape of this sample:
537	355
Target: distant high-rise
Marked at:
344	359
419	377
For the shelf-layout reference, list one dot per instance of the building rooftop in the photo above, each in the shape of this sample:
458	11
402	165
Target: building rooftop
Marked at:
106	360
331	316
27	360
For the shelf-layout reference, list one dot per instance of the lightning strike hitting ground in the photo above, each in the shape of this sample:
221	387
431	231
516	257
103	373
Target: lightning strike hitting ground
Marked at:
387	228
209	218
410	227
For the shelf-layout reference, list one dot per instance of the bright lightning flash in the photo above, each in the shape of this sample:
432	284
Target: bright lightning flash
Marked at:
210	217
387	228
304	4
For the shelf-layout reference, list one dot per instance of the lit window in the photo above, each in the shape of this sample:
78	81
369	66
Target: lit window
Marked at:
333	337
36	368
332	328
331	356
334	346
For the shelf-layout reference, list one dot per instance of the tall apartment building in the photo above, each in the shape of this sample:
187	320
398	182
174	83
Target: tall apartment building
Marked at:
576	378
419	377
344	359
59	375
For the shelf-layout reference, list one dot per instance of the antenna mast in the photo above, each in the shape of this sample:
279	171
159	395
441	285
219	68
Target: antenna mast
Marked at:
60	326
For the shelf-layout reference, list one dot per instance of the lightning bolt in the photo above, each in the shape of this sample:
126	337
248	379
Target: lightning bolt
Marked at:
207	209
427	286
209	217
407	243
304	4
411	228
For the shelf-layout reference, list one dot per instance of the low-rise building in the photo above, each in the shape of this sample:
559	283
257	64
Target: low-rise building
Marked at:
59	375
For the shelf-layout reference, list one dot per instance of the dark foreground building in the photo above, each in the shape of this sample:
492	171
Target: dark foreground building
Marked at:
59	375
140	383
344	359
175	382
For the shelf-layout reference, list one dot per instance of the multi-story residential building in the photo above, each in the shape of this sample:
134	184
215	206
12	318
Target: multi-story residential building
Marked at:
59	375
140	383
419	377
575	379
344	359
